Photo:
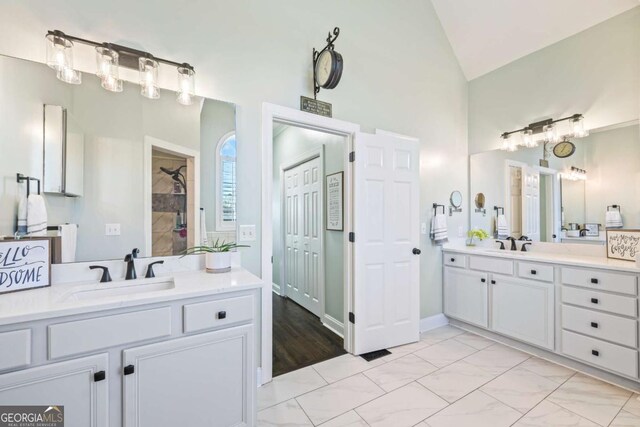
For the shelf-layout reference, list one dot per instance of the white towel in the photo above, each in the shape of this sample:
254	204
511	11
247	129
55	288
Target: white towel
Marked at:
613	219
22	216
69	236
439	229
502	227
36	215
204	240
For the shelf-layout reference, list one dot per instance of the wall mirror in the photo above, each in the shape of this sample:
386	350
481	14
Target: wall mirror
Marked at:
555	203
456	199
126	171
479	201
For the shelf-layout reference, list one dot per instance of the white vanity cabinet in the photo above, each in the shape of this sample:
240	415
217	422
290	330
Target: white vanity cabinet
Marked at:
523	309
81	386
201	380
466	295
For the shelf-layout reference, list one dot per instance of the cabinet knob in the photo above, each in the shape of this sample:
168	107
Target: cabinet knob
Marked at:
594	281
99	376
453	260
483	280
493	282
594	300
533	272
416	251
128	370
595	352
222	315
594	325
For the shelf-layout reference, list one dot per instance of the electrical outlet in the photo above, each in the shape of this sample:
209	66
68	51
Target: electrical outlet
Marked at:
423	228
112	229
460	231
247	233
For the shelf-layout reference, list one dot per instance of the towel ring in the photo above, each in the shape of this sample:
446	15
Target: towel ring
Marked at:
21	177
497	209
435	208
618	207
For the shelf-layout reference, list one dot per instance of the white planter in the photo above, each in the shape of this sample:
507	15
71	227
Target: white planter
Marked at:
218	262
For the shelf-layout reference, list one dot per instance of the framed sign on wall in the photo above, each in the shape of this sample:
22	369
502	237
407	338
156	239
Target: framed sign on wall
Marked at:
623	244
335	201
24	264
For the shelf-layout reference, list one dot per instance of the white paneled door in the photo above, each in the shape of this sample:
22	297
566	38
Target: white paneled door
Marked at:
531	203
304	271
387	241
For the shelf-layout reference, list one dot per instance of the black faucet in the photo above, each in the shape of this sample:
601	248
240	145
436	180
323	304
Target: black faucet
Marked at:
150	272
502	248
106	277
514	247
524	246
131	266
524	238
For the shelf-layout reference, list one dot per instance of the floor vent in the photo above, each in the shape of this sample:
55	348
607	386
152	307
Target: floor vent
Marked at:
375	355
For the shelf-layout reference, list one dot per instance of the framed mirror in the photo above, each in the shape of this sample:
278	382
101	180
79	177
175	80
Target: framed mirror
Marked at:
479	201
456	199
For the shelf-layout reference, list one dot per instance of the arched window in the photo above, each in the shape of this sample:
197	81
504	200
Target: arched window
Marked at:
226	183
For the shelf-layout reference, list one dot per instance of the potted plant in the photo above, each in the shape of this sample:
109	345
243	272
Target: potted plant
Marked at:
217	255
478	233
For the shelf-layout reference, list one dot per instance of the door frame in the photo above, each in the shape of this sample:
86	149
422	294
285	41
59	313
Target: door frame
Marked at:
280	114
150	144
556	201
306	157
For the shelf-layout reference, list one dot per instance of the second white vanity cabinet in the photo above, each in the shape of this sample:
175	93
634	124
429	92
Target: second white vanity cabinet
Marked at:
465	296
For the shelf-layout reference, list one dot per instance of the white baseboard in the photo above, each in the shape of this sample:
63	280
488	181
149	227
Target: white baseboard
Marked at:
334	325
276	289
433	322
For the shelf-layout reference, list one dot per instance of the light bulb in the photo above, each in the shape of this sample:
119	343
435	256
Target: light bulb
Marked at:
186	84
527	138
551	134
577	127
107	61
59	51
149	78
69	75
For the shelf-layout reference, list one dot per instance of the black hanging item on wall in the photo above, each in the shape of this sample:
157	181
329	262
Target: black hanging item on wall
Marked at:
21	177
327	65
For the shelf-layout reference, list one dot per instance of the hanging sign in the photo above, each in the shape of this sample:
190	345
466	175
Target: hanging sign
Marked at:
335	200
314	106
24	264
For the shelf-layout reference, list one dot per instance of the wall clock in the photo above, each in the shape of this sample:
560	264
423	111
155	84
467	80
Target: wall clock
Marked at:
564	149
327	65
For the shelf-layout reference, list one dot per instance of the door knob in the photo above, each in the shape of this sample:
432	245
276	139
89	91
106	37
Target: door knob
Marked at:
416	251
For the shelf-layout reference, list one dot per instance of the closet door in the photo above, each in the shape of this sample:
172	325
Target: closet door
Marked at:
531	203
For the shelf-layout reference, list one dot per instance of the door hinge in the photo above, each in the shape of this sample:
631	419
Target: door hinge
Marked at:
272	259
129	369
99	376
352	236
352	318
352	156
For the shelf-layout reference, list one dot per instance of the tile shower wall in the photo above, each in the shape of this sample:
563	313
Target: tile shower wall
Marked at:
167	200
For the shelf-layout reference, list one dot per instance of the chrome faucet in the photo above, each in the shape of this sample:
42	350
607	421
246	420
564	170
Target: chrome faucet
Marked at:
514	247
131	266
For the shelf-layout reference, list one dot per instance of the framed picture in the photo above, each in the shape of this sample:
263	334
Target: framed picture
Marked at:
335	201
24	264
592	229
623	244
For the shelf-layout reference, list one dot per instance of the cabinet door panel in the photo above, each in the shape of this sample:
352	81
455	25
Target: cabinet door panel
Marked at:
70	384
465	296
202	380
523	309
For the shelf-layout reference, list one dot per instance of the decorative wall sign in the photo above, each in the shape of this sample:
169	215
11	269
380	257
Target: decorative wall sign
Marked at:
593	229
24	264
315	107
335	201
623	244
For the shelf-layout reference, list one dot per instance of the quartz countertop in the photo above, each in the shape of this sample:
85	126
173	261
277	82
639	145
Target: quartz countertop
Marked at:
565	258
56	301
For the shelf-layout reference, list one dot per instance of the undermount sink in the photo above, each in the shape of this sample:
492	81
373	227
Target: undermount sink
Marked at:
111	289
506	251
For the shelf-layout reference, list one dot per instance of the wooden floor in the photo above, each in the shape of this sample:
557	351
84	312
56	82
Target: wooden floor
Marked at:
299	338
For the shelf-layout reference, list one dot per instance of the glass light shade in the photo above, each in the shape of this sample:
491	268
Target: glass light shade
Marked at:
577	127
186	85
59	52
551	133
69	75
508	142
149	78
107	61
527	139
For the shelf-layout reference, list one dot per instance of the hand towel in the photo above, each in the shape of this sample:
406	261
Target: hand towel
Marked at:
204	240
36	215
502	227
22	216
69	236
439	229
613	219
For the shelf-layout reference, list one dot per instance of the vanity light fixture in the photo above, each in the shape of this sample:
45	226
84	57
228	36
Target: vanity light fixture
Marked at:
109	58
548	129
575	174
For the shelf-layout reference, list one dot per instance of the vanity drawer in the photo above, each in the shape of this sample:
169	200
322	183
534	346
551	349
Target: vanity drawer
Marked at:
600	325
491	265
83	336
455	260
599	353
617	304
214	314
534	271
601	280
15	349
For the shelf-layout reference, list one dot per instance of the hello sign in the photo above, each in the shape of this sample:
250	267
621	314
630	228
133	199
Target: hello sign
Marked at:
24	264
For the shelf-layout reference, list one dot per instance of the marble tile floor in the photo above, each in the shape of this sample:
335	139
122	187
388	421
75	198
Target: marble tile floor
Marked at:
449	378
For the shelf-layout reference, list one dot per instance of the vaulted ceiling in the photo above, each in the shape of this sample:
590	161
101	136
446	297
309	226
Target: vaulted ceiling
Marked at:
487	34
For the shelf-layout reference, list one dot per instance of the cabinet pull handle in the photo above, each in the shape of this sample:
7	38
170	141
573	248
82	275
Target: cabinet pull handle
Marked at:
594	281
99	376
595	352
222	315
483	280
453	260
594	325
129	369
493	282
594	300
533	272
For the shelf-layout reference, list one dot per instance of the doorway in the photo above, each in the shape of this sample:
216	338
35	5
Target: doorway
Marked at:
308	264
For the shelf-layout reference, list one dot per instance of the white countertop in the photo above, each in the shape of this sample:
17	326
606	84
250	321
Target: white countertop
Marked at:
565	258
54	301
